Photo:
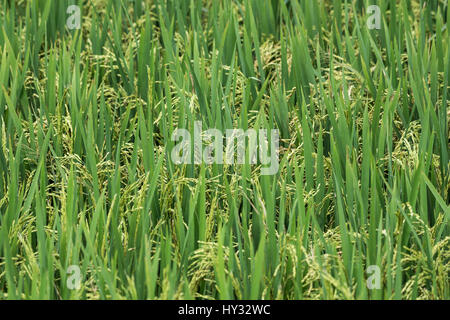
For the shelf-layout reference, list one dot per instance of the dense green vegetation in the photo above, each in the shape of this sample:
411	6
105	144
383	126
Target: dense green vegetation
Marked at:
86	177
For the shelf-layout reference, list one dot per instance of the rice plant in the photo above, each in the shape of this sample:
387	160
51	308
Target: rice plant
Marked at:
93	205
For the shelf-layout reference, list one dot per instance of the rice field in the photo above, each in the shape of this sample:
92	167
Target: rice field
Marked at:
224	149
